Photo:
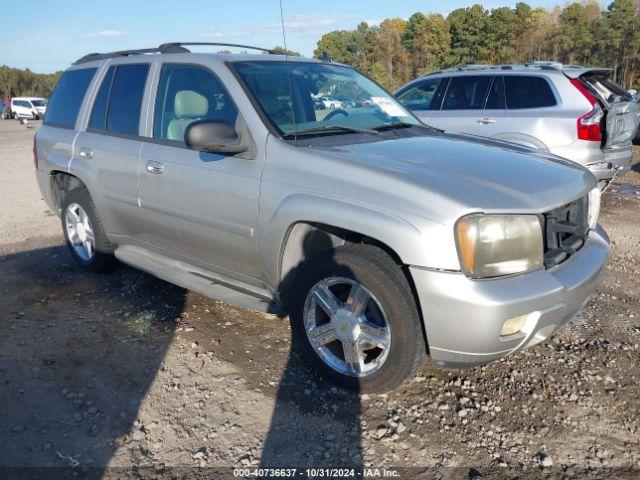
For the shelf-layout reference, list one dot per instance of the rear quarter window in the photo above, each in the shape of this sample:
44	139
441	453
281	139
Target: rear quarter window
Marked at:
524	91
67	97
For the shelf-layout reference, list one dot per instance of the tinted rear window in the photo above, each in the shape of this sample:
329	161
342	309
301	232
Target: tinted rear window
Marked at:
67	97
99	112
125	99
495	99
527	92
466	93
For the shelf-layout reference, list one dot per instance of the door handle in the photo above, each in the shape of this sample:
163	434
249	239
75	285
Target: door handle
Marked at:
486	121
155	167
86	153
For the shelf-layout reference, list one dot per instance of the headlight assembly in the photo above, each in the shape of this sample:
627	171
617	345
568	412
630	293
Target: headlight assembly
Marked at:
594	207
495	245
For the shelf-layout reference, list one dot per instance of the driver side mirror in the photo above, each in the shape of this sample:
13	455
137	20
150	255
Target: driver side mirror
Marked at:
213	136
633	93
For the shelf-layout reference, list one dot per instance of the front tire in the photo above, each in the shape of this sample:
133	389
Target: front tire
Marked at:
84	232
354	315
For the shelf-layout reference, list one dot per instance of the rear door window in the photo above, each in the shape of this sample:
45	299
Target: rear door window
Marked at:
523	91
466	92
125	99
495	99
99	113
186	94
67	97
421	95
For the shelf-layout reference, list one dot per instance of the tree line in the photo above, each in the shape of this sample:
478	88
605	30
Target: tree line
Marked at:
398	50
15	82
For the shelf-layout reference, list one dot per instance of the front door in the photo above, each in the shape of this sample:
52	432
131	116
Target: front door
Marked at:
202	207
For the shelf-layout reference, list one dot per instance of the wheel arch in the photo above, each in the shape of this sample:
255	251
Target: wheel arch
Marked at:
62	182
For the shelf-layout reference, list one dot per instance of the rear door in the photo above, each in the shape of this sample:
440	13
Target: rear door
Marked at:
56	136
463	106
535	116
107	152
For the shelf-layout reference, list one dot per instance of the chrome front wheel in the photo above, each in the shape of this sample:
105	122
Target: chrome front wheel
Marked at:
347	326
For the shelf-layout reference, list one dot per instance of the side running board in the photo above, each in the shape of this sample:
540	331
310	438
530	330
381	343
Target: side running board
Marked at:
201	281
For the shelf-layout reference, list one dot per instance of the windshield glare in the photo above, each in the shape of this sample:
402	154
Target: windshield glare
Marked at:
301	96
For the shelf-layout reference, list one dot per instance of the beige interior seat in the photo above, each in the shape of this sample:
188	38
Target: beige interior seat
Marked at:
188	107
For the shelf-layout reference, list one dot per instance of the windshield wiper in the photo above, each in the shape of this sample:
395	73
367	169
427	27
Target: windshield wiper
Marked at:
394	126
331	129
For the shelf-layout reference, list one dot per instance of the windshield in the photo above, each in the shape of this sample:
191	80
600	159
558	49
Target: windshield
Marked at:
314	97
37	103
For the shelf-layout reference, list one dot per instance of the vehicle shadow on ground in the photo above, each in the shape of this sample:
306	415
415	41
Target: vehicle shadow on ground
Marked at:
331	436
79	352
77	355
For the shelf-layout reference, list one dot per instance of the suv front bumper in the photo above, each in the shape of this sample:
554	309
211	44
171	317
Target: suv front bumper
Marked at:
463	317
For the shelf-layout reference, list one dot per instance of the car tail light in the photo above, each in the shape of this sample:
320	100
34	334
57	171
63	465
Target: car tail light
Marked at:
589	123
35	153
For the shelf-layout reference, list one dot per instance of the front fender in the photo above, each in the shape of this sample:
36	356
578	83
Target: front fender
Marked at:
416	241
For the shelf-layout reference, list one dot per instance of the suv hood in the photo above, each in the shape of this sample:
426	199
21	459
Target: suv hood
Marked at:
472	172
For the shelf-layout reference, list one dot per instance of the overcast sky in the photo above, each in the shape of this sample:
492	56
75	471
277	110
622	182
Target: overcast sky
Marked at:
47	35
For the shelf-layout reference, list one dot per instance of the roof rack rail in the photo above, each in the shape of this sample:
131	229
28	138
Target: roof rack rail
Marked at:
172	47
217	44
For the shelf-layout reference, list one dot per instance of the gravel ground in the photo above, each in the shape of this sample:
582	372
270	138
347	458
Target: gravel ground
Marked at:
127	376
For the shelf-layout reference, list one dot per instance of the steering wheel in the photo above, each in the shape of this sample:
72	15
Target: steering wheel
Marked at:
333	113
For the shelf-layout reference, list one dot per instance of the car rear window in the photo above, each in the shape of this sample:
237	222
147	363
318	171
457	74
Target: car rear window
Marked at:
522	91
125	99
67	97
466	93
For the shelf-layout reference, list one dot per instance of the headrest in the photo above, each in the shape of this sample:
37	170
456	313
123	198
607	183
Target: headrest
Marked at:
190	104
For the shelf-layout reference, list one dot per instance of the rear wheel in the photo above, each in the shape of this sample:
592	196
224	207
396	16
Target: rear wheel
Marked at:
84	233
355	317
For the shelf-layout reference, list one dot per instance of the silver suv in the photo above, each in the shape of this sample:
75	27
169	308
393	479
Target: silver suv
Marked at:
575	112
385	240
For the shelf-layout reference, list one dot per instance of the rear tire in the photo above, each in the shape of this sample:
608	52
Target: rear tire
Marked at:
84	233
385	330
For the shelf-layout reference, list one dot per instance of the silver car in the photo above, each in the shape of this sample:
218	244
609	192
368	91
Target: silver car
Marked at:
385	241
576	112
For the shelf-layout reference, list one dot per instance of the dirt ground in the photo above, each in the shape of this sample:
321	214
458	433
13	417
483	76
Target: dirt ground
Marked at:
124	375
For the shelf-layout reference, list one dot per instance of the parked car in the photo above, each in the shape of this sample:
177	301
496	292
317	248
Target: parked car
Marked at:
5	109
333	103
28	107
575	112
386	241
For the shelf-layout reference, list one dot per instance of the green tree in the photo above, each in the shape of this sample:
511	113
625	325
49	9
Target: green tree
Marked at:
575	38
427	40
502	35
469	39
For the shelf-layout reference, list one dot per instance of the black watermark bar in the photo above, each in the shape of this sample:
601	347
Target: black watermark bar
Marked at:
343	473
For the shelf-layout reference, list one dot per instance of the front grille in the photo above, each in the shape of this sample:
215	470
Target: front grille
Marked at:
566	229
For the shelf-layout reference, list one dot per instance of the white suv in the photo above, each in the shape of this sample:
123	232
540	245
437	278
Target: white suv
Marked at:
575	112
28	107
